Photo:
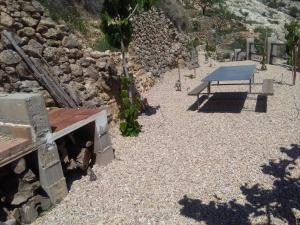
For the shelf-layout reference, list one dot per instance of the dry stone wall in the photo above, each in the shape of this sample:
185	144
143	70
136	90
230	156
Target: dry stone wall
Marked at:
157	45
89	74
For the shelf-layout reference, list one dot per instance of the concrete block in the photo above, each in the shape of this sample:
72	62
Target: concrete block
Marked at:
51	175
26	109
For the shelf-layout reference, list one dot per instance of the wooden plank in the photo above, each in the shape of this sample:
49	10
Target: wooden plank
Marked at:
197	90
267	87
54	89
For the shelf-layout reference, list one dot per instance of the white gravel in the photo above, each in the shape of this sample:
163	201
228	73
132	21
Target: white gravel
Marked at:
205	156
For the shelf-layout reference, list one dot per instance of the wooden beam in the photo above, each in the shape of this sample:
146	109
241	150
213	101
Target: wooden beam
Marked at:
44	78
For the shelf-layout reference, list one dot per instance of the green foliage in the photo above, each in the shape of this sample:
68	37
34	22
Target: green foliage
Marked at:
102	45
292	36
238	43
129	111
69	14
192	44
115	19
204	4
210	48
294	11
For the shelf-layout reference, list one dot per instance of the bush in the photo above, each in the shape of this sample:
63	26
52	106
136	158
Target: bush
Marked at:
102	45
129	125
238	43
66	11
294	11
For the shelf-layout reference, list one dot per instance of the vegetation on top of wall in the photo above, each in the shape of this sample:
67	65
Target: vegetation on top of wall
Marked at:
66	12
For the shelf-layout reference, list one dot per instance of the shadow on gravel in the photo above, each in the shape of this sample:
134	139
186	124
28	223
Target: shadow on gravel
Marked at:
194	106
278	203
225	102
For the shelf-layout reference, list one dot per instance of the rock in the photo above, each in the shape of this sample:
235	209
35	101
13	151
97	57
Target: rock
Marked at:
18	25
65	67
75	54
53	34
9	57
33	48
36	15
96	54
29	86
87	61
39	38
76	70
26	31
38	6
10	70
51	54
92	73
29	21
25	191
27	7
19	166
70	42
53	43
6	20
101	65
23	71
41	29
47	22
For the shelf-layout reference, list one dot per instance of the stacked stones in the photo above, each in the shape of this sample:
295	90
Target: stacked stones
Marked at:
156	45
86	72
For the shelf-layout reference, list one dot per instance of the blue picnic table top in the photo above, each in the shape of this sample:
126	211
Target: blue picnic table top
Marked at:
231	73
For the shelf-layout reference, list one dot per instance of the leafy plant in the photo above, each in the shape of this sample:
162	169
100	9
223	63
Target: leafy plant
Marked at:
210	48
292	36
67	12
116	25
129	125
102	45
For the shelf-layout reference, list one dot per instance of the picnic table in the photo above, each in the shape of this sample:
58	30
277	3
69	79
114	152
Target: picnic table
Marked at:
231	73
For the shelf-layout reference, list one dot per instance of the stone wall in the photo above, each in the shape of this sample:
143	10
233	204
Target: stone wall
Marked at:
89	74
157	45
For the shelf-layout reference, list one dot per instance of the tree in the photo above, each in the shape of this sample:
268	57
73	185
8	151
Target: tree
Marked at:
292	37
204	4
116	25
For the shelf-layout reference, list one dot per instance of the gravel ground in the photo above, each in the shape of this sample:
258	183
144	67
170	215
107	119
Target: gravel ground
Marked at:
190	167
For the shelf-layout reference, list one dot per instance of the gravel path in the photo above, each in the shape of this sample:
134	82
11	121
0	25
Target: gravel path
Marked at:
190	167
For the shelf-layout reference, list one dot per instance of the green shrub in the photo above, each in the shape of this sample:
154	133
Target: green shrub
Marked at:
238	43
129	125
102	45
294	11
68	13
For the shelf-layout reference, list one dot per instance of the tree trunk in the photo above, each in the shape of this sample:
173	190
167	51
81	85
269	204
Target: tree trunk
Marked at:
203	9
125	69
294	65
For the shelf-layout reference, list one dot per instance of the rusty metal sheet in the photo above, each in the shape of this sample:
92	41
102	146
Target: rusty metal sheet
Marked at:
60	119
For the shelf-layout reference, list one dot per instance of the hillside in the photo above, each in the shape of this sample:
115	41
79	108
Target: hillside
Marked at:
257	13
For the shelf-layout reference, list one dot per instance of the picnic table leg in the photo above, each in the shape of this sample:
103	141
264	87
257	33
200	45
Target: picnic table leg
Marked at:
250	86
208	88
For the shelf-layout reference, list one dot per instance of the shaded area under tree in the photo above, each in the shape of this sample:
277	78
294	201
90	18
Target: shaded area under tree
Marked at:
280	202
